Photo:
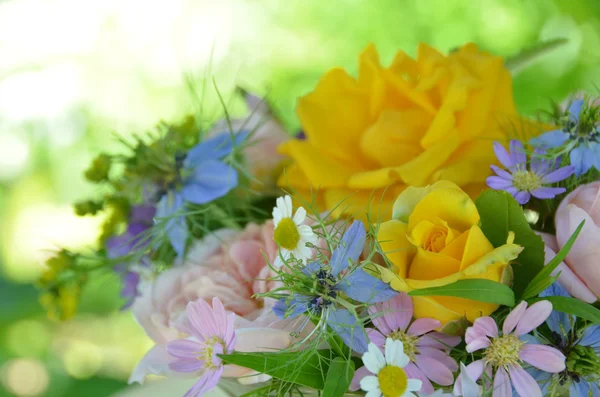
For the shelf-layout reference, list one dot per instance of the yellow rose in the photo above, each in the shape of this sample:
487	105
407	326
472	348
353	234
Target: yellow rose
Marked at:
434	240
413	123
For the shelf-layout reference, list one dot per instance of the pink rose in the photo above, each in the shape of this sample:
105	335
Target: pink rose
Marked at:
229	265
581	271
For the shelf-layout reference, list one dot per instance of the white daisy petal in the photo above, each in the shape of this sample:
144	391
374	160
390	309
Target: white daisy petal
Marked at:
373	359
374	393
288	206
305	231
277	216
369	383
299	216
394	353
414	385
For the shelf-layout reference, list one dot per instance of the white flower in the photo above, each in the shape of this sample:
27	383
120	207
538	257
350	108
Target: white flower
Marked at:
389	378
290	233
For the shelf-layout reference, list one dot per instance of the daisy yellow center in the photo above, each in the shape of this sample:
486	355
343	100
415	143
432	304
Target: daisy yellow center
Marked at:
209	351
393	381
527	180
286	234
504	351
409	342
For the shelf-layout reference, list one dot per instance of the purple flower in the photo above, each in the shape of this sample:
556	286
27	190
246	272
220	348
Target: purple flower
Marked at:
333	279
583	146
521	182
204	177
211	334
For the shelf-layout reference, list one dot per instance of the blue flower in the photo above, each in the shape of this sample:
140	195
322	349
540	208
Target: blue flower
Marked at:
584	146
203	177
337	278
585	349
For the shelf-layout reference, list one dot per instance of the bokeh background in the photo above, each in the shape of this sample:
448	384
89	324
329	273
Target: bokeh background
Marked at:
75	75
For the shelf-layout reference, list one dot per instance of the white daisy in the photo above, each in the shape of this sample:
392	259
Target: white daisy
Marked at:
290	234
389	378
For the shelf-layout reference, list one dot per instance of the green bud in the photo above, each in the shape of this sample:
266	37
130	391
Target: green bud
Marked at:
98	171
88	207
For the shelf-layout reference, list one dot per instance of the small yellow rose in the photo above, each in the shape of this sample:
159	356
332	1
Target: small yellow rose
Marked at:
410	124
435	240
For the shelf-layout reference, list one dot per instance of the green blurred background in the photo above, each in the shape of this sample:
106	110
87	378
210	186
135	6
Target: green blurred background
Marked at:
75	74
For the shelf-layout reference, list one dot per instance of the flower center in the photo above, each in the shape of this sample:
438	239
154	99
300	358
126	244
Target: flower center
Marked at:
504	351
214	346
527	180
393	381
409	342
286	234
583	361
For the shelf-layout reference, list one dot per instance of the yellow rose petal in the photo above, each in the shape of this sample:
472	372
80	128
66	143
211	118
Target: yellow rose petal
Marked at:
391	235
477	245
452	205
429	307
428	265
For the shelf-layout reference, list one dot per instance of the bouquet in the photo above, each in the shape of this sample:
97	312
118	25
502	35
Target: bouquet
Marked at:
419	237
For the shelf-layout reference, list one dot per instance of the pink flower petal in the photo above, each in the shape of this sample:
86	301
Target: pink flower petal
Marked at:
543	357
438	340
358	375
477	344
413	372
423	325
487	325
502	386
473	333
434	370
513	317
474	370
207	381
441	356
392	315
533	317
375	337
186	365
524	383
185	348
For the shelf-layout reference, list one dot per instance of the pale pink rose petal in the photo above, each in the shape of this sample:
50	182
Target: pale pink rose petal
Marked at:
534	316
524	383
441	356
434	370
486	325
546	358
573	284
358	375
550	242
376	337
474	371
513	318
502	386
413	372
423	325
478	344
155	362
261	340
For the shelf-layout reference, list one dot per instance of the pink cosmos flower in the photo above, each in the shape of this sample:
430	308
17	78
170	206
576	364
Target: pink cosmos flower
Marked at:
427	350
504	353
212	333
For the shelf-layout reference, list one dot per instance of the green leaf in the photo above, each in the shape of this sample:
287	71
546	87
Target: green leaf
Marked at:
500	213
339	377
543	280
531	55
476	289
573	306
304	368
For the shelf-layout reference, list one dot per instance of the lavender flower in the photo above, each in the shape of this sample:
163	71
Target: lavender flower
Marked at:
521	182
583	142
333	279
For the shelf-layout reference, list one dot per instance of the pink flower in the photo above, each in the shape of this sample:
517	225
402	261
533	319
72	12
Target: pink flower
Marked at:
427	350
581	204
228	265
212	333
503	354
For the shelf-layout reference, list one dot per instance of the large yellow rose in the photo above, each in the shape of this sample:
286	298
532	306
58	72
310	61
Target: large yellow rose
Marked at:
434	240
413	123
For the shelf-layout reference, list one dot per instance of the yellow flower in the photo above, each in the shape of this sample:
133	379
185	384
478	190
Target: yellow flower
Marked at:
434	240
410	124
